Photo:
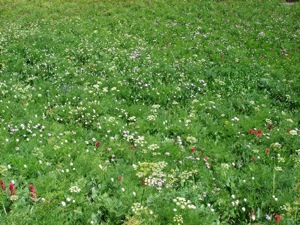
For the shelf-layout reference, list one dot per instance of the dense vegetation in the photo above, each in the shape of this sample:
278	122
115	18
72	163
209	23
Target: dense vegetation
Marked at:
149	112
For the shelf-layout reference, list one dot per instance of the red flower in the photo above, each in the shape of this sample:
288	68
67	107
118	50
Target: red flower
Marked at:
143	181
251	131
252	159
270	127
32	192
12	189
205	158
268	151
2	185
32	189
98	143
277	218
193	149
257	133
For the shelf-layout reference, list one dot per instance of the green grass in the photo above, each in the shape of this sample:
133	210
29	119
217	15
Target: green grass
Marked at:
149	112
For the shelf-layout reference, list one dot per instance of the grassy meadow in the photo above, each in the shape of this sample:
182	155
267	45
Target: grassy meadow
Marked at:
182	112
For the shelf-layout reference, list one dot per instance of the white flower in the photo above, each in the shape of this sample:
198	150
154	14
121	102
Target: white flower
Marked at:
63	204
74	189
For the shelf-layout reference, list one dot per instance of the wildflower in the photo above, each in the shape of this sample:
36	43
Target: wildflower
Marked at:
193	149
276	145
32	192
268	217
12	189
277	218
2	184
74	189
98	143
293	132
258	133
63	204
268	151
251	131
270	126
143	181
191	139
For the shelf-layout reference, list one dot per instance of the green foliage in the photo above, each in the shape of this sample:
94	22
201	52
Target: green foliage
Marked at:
149	112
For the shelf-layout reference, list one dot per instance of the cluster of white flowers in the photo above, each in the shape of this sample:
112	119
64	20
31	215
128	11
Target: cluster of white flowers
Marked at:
155	108
74	189
225	166
138	209
276	145
191	140
280	159
269	121
178	219
185	175
151	118
132	119
236	202
153	147
155	182
182	203
134	138
293	132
